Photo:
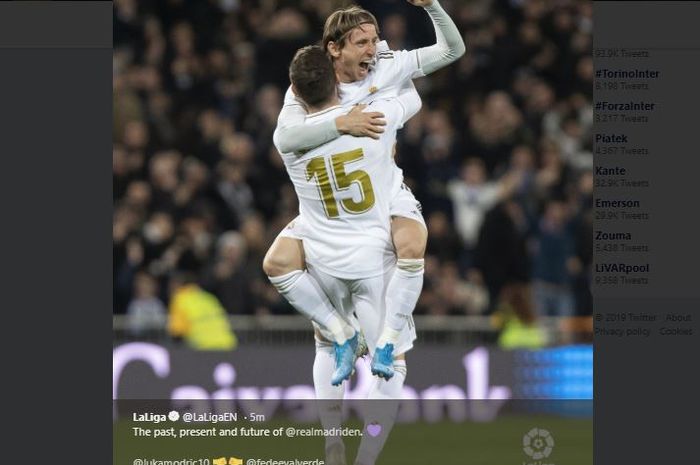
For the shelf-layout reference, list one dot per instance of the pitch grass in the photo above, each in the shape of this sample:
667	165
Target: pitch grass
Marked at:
499	442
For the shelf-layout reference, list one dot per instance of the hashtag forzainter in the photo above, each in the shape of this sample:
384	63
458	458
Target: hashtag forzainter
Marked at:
625	106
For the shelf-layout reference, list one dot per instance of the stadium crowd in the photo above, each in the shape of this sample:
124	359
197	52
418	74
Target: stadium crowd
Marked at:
500	155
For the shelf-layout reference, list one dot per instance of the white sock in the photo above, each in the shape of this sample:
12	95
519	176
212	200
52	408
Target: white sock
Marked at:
304	293
402	294
328	397
385	397
393	388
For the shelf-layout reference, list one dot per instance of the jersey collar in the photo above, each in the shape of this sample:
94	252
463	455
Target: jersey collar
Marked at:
323	112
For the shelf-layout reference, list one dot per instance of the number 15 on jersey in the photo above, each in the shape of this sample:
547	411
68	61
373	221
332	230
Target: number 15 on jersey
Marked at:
339	182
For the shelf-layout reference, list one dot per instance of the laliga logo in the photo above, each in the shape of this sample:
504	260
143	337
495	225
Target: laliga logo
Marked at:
538	443
266	399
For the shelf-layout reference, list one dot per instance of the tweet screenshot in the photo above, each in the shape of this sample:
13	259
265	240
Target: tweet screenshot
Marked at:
380	232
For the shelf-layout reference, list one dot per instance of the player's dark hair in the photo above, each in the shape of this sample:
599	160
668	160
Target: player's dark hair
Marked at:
341	22
312	75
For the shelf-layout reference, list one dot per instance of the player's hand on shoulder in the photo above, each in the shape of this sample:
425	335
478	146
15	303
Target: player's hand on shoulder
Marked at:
360	124
422	3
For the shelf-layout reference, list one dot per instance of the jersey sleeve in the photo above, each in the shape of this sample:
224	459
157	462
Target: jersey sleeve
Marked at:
398	65
293	135
410	101
449	46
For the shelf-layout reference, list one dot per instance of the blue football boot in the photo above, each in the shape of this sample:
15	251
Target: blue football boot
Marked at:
383	361
344	360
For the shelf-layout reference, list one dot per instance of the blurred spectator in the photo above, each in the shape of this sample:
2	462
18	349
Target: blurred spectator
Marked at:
158	235
447	292
146	312
501	255
496	127
516	320
554	262
553	178
233	193
164	176
473	195
444	243
194	184
197	317
228	277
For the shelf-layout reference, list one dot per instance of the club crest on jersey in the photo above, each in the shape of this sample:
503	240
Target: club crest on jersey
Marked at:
373	89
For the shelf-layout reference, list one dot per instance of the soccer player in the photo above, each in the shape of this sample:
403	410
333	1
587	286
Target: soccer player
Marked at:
367	71
345	188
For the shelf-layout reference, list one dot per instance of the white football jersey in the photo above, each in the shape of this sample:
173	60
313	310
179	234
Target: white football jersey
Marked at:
388	75
345	187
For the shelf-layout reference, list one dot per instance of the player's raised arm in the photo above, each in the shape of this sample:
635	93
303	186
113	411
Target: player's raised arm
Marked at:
293	135
449	46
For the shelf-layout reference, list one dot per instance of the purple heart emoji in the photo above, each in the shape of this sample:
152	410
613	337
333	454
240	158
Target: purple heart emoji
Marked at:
374	430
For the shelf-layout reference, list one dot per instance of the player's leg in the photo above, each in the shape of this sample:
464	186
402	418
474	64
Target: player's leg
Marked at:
384	395
328	398
410	237
284	266
383	404
339	297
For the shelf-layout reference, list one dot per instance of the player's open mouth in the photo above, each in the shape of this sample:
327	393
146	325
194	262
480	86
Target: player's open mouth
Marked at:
366	65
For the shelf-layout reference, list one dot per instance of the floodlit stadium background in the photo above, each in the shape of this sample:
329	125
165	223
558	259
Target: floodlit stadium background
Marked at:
199	187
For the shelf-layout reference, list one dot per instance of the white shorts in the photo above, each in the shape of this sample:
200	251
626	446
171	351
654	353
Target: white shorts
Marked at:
404	204
366	298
